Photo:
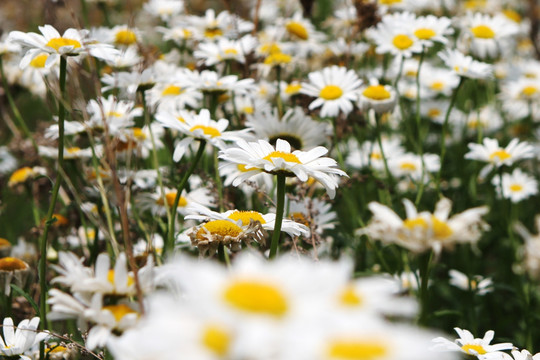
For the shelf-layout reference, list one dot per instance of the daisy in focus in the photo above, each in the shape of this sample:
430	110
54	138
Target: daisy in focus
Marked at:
470	345
18	340
261	156
335	88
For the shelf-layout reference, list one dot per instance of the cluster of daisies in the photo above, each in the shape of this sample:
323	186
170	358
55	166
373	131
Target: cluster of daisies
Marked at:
401	134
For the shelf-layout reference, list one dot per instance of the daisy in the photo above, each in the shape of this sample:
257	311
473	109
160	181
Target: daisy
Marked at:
244	218
122	36
516	186
164	9
316	214
394	35
19	339
73	42
477	283
212	53
299	28
212	27
487	118
414	166
335	88
496	156
369	154
466	66
280	160
381	98
210	82
70	153
487	34
300	130
430	29
470	345
158	203
438	81
199	127
13	271
419	232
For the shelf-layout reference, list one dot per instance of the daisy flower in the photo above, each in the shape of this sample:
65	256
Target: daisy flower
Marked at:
244	218
158	203
26	173
212	53
477	283
73	42
210	82
419	232
199	127
335	88
516	186
12	270
212	27
486	34
496	156
19	339
164	9
470	345
430	29
531	247
316	214
262	156
370	154
299	28
438	81
466	66
394	35
381	98
300	130
414	166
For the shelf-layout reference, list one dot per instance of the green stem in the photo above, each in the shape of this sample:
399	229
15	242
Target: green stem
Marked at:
445	131
217	179
181	186
13	106
49	220
279	103
386	168
279	215
425	269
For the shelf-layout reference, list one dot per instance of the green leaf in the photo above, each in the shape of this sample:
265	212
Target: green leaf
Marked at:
23	293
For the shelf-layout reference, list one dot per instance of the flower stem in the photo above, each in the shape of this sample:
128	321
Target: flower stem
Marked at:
445	131
54	196
279	215
181	186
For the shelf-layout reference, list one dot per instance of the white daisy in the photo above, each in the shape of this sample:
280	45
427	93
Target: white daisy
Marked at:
73	42
164	9
19	339
381	98
336	89
199	127
476	283
470	345
516	186
280	160
466	66
212	53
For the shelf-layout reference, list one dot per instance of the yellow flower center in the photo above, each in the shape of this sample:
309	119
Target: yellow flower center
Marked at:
114	114
243	168
475	4
170	196
408	166
349	297
441	229
283	155
356	349
110	278
433	113
4	243
139	133
424	33
512	15
247	216
219	227
483	32
216	339
299	218
248	110
293	89
437	85
389	2
516	187
57	43
270	48
61	220
331	92
207	130
376	92
231	51
12	264
529	90
402	42
172	90
119	311
476	349
57	349
412	224
297	29
125	37
499	155
20	175
213	32
73	150
256	297
376	156
39	61
277	58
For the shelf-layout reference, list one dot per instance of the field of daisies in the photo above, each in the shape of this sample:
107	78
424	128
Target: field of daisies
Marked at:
270	179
